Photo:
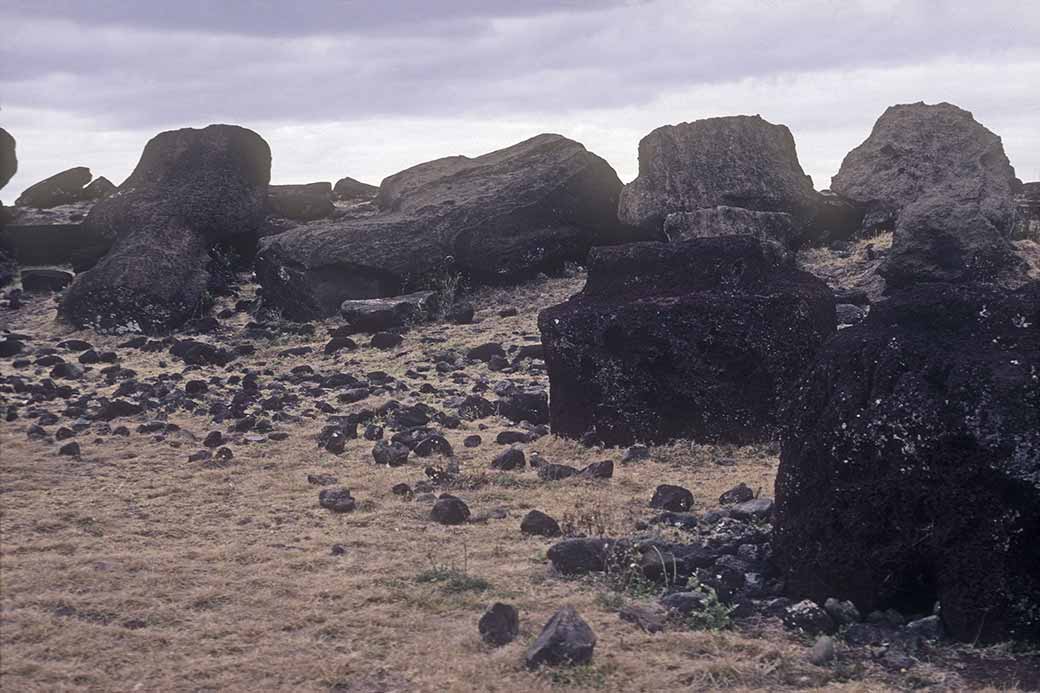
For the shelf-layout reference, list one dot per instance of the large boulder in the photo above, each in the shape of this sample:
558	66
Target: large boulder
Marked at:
192	189
1027	216
55	236
836	218
565	640
99	188
379	314
8	266
60	189
500	217
910	464
305	202
918	150
778	228
939	239
8	158
54	244
734	161
350	190
697	339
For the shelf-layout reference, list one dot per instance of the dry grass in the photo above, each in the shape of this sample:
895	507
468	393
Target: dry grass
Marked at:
855	268
1029	251
132	569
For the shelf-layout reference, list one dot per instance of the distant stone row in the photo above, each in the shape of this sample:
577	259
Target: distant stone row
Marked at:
910	457
931	173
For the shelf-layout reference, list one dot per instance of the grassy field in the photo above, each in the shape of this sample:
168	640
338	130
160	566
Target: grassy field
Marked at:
132	569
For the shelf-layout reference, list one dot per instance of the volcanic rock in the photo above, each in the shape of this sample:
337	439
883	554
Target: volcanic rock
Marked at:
734	161
500	217
942	239
190	190
910	464
8	158
61	188
920	150
380	314
349	190
565	639
700	339
779	228
499	625
305	202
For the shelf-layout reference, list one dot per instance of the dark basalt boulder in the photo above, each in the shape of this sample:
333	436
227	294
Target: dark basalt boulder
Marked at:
8	266
697	339
41	279
779	228
942	240
917	150
734	161
33	240
98	189
529	404
836	218
1027	215
910	464
60	189
191	190
500	217
8	158
350	190
305	202
565	640
378	314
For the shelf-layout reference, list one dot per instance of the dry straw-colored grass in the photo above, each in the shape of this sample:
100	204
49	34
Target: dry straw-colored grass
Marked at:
131	569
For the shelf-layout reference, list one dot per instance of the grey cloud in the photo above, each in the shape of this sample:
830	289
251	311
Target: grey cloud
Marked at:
84	75
285	18
159	67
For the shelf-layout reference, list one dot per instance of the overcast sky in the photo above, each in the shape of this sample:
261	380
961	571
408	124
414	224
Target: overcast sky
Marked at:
365	88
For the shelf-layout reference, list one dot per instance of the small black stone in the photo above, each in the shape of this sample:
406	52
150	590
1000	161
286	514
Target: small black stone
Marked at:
674	498
499	625
337	500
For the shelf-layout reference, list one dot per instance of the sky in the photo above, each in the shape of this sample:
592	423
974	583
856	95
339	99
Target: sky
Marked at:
366	88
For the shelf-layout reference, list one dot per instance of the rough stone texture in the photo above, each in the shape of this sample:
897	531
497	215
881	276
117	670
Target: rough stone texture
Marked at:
1027	215
735	161
538	523
499	625
337	500
938	239
54	244
700	339
503	216
99	188
565	639
54	236
190	190
42	279
8	158
579	556
670	497
918	150
8	265
769	227
349	190
71	213
61	188
837	218
376	314
305	202
449	510
910	468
